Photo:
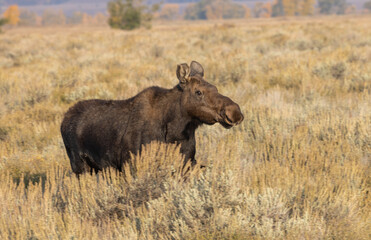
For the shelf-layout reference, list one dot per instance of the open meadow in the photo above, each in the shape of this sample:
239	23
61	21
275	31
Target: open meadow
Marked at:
297	167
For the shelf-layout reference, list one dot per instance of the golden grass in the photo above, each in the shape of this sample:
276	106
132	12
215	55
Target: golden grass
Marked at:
298	167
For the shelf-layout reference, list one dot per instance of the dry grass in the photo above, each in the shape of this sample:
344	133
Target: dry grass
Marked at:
297	168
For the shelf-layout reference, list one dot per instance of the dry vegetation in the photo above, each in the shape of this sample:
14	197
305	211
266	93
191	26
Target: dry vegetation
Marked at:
297	168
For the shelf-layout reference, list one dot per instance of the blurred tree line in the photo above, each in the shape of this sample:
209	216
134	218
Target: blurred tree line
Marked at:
131	14
32	2
16	16
218	9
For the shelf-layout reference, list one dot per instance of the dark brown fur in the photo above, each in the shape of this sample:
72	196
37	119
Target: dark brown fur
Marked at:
102	133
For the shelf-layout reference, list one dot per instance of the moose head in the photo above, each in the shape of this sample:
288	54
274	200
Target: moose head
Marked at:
202	101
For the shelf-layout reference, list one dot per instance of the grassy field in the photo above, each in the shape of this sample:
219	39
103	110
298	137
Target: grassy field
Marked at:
298	167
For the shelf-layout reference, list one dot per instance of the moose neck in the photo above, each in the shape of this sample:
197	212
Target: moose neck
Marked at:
178	124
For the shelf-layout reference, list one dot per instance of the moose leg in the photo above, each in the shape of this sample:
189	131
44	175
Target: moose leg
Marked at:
90	162
194	164
78	165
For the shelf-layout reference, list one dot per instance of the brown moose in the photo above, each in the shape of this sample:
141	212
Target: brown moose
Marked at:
102	133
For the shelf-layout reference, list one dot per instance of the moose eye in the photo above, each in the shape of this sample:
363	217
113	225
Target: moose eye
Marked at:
198	93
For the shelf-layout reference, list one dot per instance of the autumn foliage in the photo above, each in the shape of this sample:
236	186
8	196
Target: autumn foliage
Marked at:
169	11
293	7
262	10
12	15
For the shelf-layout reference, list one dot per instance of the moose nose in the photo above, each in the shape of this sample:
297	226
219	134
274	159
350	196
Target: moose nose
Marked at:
233	114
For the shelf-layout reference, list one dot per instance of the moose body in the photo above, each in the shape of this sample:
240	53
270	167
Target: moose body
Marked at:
102	133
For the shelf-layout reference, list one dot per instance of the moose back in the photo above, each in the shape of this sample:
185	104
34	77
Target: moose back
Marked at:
102	133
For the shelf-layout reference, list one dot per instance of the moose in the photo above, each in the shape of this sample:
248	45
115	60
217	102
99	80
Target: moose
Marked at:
103	133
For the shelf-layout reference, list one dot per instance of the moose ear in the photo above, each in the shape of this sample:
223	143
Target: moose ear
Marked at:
196	69
182	72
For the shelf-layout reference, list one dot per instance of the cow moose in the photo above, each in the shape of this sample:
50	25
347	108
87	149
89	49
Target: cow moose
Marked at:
102	133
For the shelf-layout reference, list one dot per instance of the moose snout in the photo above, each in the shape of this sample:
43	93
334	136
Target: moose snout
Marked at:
231	115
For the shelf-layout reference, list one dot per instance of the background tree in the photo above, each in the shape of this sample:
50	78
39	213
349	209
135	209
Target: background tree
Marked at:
169	11
27	18
83	18
268	10
262	10
307	7
247	11
75	18
3	21
289	7
367	5
12	15
332	6
351	9
195	11
87	19
232	10
293	7
214	9
52	18
100	19
130	14
277	8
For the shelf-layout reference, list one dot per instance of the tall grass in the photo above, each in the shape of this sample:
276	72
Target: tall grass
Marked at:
298	167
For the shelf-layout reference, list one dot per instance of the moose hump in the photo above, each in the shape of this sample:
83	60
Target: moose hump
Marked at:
102	133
